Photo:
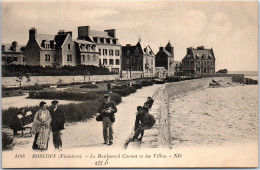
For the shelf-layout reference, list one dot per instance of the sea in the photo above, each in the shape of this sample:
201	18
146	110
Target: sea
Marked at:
248	74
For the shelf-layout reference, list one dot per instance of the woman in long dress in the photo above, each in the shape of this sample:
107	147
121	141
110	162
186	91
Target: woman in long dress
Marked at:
41	128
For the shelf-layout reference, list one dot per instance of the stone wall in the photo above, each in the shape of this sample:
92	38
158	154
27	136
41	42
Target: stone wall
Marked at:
235	77
11	81
188	85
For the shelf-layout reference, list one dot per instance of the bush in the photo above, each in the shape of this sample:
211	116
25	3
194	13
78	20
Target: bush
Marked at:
137	85
146	83
7	138
172	79
92	95
123	92
118	87
132	89
13	70
91	86
73	112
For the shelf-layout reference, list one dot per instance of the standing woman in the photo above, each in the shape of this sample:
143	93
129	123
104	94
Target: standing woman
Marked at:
41	128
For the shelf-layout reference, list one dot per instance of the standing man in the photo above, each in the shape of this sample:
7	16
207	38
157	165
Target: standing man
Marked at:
57	124
148	121
107	109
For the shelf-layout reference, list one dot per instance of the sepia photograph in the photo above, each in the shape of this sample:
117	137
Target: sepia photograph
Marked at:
129	84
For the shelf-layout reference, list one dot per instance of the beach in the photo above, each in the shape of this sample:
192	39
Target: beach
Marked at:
214	116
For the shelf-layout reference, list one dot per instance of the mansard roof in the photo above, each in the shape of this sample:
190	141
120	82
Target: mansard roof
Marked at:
8	48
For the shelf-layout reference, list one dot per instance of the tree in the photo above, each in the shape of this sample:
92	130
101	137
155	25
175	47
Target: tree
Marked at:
20	79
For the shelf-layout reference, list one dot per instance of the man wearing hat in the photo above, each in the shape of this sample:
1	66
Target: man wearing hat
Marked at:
108	109
148	121
57	124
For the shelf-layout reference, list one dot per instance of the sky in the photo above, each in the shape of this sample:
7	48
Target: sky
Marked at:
230	28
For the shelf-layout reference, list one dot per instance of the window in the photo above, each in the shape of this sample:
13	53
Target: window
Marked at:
115	70
3	58
117	62
3	48
117	52
47	57
69	58
15	59
100	62
23	59
151	70
111	52
105	61
198	62
111	61
99	51
83	58
54	58
104	51
68	46
88	59
136	61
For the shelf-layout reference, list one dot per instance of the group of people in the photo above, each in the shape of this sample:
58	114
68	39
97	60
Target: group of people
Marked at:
144	120
46	121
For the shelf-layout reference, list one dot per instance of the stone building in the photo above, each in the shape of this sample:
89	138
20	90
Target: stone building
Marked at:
87	53
50	50
165	58
138	61
110	50
13	54
198	61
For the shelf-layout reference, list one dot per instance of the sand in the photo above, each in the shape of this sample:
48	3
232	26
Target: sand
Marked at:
214	116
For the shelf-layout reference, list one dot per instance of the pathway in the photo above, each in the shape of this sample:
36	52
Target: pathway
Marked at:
88	134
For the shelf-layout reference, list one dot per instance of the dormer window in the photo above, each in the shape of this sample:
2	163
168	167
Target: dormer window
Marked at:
68	46
3	48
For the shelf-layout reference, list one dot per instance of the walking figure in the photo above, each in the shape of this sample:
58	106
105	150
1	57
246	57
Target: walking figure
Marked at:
108	109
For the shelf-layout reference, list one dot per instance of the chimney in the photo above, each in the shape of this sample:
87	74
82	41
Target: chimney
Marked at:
83	31
33	33
61	32
189	50
200	47
111	32
160	48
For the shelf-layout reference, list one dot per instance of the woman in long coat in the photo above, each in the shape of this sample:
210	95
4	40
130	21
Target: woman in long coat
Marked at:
41	128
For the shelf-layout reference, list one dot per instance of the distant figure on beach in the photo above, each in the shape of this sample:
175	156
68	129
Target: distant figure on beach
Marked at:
148	121
108	86
16	124
41	128
149	102
57	124
139	120
108	109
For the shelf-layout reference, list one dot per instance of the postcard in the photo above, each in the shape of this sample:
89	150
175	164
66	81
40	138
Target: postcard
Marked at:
129	84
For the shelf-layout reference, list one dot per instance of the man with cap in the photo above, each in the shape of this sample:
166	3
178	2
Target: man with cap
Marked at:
57	124
148	121
108	109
